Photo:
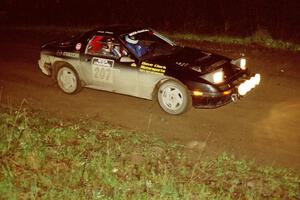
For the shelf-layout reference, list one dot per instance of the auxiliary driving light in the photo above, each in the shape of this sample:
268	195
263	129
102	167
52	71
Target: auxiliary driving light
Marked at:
248	85
257	79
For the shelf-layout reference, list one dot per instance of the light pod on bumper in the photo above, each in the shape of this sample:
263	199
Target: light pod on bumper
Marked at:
248	85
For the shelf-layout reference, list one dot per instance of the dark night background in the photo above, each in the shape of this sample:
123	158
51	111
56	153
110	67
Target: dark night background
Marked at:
277	18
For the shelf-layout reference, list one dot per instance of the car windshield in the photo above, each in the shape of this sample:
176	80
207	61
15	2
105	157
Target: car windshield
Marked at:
147	43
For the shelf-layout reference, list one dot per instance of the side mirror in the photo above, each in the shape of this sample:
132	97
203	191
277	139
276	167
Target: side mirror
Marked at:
126	59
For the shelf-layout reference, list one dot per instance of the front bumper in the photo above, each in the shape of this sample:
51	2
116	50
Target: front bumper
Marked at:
45	68
238	89
211	102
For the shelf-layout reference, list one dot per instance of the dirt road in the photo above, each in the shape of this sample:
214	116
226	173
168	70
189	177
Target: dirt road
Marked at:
264	126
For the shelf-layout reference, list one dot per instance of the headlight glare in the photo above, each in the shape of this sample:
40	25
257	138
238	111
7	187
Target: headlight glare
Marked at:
257	79
240	62
215	77
218	77
248	85
243	63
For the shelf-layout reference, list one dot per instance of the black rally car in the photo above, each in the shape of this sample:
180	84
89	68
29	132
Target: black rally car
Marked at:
143	63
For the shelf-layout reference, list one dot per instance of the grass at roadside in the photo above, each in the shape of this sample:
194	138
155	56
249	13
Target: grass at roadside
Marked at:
48	158
256	39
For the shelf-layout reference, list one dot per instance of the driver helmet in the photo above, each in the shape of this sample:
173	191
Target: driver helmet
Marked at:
109	40
131	39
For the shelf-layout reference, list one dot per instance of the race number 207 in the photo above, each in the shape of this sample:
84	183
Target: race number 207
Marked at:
103	74
103	70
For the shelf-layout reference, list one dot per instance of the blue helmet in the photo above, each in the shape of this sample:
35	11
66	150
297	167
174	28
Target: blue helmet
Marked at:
131	39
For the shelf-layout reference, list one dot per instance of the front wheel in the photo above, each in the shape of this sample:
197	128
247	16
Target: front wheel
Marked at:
173	97
68	80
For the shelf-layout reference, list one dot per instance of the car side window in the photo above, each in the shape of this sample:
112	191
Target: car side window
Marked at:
105	46
95	45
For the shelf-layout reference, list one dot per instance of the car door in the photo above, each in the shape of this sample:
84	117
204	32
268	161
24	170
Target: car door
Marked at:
107	71
126	77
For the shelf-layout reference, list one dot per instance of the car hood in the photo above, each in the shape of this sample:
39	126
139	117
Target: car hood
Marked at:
188	58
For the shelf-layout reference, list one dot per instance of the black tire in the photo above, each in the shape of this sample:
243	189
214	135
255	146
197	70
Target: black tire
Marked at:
173	97
68	80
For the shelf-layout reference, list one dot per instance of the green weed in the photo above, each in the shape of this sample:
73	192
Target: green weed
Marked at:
46	158
260	37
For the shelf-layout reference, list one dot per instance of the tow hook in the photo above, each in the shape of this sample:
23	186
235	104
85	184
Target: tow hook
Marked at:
234	97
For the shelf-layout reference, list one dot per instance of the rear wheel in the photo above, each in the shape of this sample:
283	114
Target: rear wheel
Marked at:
68	80
173	97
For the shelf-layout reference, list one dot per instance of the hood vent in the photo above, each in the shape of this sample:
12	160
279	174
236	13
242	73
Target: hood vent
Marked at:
182	64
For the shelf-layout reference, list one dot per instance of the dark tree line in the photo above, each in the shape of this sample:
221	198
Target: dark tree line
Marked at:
280	18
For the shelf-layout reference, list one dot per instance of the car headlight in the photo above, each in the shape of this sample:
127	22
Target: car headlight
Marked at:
243	63
215	76
240	62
